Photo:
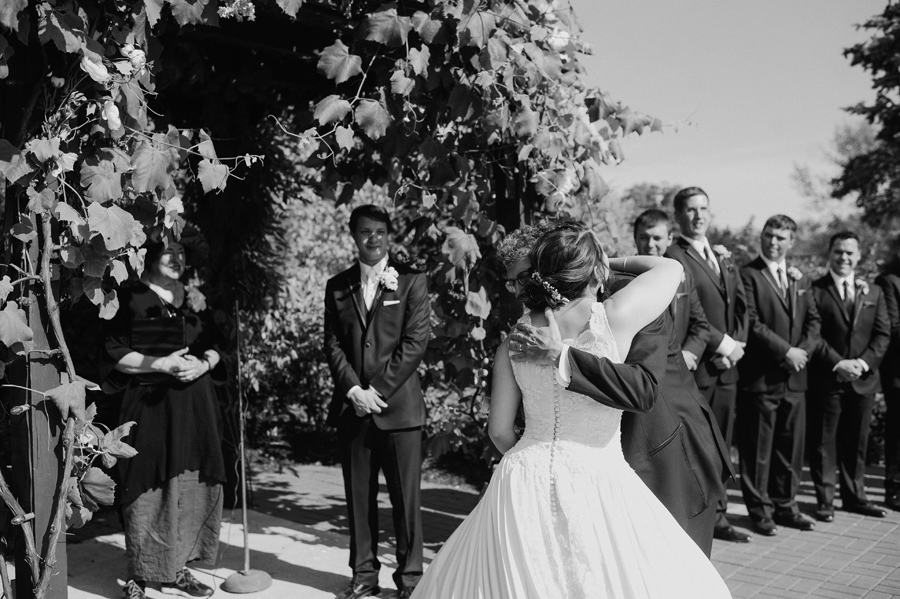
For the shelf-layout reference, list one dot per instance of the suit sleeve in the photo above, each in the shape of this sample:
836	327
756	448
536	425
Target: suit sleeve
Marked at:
775	345
698	326
632	386
413	341
824	353
881	335
741	311
892	305
341	370
812	324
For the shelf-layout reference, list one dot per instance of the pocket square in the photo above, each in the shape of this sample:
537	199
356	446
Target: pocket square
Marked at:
391	302
868	304
680	295
801	292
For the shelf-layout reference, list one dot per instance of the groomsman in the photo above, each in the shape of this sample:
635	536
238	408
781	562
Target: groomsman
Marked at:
889	282
652	237
721	294
784	331
377	322
844	379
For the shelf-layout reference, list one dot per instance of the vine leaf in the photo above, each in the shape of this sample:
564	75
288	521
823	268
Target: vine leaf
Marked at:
13	163
112	442
43	149
344	137
40	201
97	489
114	224
477	304
109	305
526	123
418	59
102	175
154	9
5	287
15	333
151	163
212	175
331	109
290	7
188	12
400	83
373	117
69	399
425	26
9	12
71	256
337	63
388	28
205	147
24	230
67	213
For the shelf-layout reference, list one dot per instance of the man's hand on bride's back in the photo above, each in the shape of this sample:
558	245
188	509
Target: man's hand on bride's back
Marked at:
528	343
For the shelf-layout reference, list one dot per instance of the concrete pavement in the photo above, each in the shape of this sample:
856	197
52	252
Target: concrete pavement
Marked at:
298	534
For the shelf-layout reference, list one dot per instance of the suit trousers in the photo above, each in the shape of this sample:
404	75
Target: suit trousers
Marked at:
837	435
892	442
364	450
771	427
721	399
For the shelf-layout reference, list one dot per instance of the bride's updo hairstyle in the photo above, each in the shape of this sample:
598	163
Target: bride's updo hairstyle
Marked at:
564	261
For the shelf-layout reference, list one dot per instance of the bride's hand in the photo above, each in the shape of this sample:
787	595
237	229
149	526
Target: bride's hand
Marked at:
532	344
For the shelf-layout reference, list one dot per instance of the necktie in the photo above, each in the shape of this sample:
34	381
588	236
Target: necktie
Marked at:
848	297
782	282
711	260
369	291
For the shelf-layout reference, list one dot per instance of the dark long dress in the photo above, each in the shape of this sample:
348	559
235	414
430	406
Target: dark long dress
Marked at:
178	439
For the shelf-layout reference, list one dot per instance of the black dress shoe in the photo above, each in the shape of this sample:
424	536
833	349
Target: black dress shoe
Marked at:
798	521
765	527
358	591
825	512
866	509
730	533
893	502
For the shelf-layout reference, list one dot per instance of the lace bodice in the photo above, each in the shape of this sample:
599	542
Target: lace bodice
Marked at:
553	414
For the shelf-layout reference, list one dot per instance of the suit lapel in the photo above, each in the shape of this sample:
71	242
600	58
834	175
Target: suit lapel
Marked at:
692	253
376	304
857	305
836	296
354	288
767	275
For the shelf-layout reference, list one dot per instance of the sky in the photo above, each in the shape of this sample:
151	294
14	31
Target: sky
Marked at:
747	90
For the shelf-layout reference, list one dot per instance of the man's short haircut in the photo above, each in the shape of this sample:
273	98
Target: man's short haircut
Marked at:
682	196
651	218
370	211
780	221
842	236
517	244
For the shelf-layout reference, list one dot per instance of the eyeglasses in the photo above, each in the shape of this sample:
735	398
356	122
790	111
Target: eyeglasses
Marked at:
519	279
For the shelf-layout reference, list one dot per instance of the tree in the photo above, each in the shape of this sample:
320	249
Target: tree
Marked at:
874	174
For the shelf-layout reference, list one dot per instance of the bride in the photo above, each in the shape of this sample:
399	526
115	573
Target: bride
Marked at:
564	515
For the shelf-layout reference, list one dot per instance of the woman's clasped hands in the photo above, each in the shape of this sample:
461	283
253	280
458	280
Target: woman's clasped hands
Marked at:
182	365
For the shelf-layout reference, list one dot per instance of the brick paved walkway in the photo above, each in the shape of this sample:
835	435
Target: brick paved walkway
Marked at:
299	535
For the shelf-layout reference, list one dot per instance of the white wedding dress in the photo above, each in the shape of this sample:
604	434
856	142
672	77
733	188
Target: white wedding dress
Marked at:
565	516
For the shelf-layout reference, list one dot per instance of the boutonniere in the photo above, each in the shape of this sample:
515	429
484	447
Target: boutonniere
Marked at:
194	298
794	273
862	287
721	251
389	278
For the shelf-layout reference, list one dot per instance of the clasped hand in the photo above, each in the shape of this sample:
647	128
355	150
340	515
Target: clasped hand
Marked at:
528	343
848	370
795	359
182	365
367	401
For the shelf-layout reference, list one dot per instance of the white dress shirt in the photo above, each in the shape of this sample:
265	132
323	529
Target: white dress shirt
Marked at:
851	281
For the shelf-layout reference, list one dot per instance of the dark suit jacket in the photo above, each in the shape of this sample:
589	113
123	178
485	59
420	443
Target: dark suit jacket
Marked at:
722	298
381	349
776	325
669	435
864	334
889	281
691	326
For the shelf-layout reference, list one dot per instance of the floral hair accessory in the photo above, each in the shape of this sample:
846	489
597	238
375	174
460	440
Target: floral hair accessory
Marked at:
794	273
721	251
196	301
555	295
862	287
388	278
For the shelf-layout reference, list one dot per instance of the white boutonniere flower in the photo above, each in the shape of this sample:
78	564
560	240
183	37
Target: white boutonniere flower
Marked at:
862	287
722	251
389	278
794	273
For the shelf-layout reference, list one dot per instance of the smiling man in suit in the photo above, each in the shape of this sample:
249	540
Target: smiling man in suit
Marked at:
771	418
844	379
377	322
652	237
889	282
721	294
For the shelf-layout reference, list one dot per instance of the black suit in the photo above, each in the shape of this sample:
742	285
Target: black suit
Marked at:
722	299
669	435
691	326
889	282
771	408
840	413
380	348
